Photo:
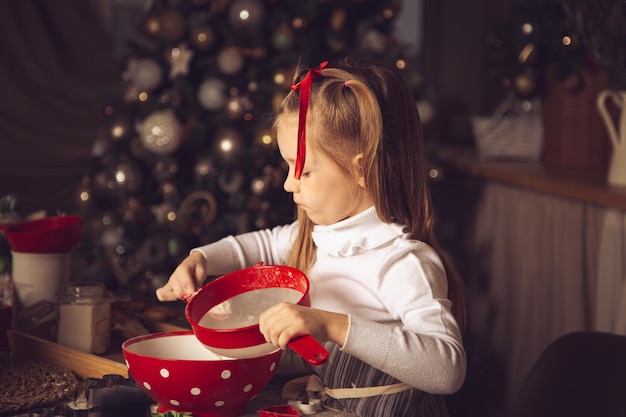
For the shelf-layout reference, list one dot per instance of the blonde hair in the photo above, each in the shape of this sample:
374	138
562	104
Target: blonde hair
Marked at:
359	107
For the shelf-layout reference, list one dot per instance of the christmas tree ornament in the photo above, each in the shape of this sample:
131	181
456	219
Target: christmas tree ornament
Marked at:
145	74
164	213
229	143
205	168
246	14
230	180
282	38
83	192
179	59
260	186
525	84
168	190
178	246
151	25
212	94
112	237
172	25
234	107
283	77
171	97
230	61
299	23
128	176
373	41
119	127
528	55
390	9
202	38
197	211
165	168
161	132
265	139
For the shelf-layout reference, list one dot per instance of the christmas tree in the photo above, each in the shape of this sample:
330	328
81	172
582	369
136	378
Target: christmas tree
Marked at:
188	155
559	39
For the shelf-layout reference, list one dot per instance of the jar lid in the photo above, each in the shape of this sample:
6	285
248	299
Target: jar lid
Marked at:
85	293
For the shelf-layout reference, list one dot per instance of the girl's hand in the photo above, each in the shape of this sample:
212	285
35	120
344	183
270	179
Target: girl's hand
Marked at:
285	321
185	279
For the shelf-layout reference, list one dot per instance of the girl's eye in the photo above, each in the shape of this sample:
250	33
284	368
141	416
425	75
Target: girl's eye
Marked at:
305	174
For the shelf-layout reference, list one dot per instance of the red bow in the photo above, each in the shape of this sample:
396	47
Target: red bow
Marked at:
305	93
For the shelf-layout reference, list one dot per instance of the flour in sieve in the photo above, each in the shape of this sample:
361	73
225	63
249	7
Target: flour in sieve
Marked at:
244	309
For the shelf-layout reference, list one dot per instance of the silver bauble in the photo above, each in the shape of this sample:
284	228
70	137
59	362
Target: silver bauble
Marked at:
146	74
212	94
161	132
230	61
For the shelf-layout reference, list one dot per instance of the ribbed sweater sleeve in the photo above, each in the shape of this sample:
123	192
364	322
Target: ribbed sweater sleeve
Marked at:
432	364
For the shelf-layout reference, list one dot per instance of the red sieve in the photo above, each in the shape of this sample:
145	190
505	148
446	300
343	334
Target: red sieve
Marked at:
224	314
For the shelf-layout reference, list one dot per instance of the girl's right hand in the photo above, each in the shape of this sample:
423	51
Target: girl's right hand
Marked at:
186	278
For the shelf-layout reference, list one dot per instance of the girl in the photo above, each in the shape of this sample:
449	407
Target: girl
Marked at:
384	298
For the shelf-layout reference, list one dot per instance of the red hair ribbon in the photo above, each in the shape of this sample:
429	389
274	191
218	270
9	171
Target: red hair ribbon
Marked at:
305	93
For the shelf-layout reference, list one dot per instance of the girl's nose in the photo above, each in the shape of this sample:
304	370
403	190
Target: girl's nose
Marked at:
291	185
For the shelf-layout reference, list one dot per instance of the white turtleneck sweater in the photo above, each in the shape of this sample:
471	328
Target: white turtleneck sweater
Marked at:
393	288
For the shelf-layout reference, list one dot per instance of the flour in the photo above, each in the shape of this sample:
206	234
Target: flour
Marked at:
244	309
84	321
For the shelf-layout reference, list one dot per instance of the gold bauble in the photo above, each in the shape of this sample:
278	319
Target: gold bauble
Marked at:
202	38
152	25
525	85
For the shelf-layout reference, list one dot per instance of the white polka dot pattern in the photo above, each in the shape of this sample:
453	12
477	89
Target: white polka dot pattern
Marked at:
187	382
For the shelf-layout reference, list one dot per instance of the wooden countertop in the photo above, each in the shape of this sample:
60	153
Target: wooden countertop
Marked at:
587	185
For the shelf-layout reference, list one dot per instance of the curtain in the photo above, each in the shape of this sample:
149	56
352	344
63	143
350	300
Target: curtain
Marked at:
549	266
57	72
610	302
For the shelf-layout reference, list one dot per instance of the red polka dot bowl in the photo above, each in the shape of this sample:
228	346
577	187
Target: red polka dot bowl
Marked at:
181	374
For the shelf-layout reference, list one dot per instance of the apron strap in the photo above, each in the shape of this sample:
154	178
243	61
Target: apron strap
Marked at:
312	388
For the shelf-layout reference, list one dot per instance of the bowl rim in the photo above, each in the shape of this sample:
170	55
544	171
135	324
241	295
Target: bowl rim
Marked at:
158	335
24	225
249	333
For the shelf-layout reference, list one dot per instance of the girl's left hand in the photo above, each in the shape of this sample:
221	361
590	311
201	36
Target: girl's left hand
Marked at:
285	321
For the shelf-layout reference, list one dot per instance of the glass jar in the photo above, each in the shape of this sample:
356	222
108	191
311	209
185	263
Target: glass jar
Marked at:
84	318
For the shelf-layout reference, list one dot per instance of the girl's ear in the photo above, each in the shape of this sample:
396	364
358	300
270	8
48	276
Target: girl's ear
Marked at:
357	163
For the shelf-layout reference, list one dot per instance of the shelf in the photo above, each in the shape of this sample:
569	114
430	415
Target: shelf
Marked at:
583	184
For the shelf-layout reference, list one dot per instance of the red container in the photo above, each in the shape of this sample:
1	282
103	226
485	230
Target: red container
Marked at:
180	374
224	313
57	234
279	411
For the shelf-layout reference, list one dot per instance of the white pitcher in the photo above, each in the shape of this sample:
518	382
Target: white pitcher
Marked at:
617	166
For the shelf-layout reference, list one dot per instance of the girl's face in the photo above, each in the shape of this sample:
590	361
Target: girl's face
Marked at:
323	191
